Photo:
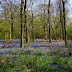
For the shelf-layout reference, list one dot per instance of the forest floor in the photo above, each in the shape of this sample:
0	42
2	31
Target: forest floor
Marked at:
38	56
37	44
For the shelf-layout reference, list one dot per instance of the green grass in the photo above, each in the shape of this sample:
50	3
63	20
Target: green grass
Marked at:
0	41
35	61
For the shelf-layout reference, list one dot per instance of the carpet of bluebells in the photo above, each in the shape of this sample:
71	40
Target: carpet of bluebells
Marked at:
38	56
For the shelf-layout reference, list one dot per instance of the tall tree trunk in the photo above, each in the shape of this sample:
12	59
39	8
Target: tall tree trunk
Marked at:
61	22
12	25
22	29
11	28
32	29
49	22
64	21
45	36
25	23
32	25
10	31
5	30
6	35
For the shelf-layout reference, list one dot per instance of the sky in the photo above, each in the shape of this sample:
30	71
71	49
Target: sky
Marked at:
69	7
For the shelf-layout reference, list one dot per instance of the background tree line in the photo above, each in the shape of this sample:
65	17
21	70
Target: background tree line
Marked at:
33	19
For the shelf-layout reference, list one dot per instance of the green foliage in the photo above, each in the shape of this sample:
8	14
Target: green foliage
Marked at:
69	31
38	28
35	63
56	59
2	29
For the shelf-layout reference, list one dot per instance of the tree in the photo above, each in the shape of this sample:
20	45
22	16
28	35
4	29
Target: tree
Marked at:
64	21
32	24
61	21
49	22
25	22
10	6
22	26
45	36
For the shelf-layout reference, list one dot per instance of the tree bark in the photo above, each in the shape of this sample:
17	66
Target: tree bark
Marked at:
64	21
32	26
25	23
22	29
32	29
5	30
49	22
61	22
45	36
12	25
10	31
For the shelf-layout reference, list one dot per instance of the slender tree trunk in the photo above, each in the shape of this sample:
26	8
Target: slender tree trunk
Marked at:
32	29
21	23
12	25
5	30
32	26
10	32
45	36
6	35
44	20
25	23
11	28
64	21
49	22
61	22
22	29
